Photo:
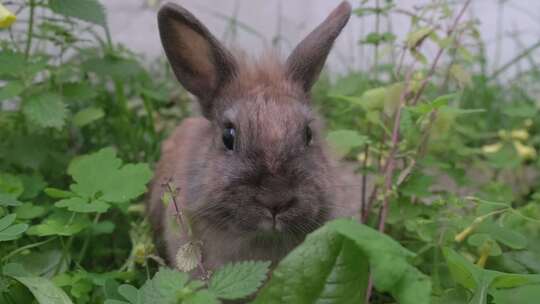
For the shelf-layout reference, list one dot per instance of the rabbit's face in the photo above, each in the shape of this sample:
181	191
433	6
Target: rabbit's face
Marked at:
265	171
273	170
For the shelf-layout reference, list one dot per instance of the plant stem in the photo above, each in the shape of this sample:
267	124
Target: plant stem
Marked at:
30	32
87	241
520	56
390	163
185	227
364	174
450	32
65	248
23	248
376	48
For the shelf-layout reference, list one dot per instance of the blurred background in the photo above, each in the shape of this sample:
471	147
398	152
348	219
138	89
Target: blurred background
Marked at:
506	26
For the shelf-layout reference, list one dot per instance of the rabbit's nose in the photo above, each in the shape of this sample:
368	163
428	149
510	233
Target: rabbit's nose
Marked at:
277	204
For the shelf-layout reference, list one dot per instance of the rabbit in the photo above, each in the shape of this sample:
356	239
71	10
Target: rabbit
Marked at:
253	174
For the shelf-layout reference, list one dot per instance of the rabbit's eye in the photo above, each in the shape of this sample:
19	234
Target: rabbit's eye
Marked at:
308	136
229	134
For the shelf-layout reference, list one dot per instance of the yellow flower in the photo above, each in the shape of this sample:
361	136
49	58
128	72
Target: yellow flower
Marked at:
493	148
528	123
6	17
525	152
520	134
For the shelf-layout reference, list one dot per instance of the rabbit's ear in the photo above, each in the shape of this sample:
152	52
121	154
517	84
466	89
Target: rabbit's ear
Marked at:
198	59
307	60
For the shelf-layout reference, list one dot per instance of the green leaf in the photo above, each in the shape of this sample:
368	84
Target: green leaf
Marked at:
87	10
78	91
483	281
57	193
461	75
42	263
10	90
46	110
505	235
417	184
201	297
60	223
33	185
6	221
88	115
414	39
483	240
44	290
81	205
528	294
10	232
164	287
28	211
8	200
115	67
327	267
388	262
104	227
11	63
344	141
238	280
520	111
426	108
11	185
130	293
102	174
378	38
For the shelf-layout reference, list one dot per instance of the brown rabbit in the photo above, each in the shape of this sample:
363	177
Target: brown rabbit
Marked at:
253	175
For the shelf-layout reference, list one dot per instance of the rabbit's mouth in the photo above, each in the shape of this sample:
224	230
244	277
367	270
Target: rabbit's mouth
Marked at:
271	225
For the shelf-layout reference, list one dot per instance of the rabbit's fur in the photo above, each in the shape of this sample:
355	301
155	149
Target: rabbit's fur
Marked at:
278	183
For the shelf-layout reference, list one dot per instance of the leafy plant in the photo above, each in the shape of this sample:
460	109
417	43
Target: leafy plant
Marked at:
443	140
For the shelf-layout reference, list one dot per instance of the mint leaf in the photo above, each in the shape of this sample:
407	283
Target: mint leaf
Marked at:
238	280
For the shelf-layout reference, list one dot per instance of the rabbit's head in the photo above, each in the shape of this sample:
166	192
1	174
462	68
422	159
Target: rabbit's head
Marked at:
266	170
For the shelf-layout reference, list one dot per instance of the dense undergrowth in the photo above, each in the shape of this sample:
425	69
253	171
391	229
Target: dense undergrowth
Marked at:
446	144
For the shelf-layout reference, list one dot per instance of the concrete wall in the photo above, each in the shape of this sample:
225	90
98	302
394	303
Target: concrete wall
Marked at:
133	23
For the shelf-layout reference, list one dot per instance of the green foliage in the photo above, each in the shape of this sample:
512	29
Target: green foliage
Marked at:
44	290
8	231
46	110
233	281
236	281
326	266
481	281
81	123
101	178
86	10
333	263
